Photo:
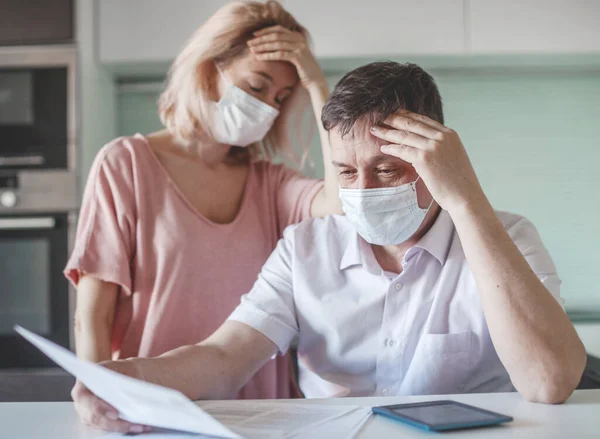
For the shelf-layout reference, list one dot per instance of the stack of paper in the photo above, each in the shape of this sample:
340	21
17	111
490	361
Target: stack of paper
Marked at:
149	404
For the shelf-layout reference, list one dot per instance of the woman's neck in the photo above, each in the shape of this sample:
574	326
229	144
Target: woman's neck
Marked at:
209	152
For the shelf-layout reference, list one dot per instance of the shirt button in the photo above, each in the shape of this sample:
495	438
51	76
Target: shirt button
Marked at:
391	343
384	392
398	287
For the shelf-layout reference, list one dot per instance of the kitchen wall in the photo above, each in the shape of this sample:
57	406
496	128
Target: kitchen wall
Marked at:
532	135
97	96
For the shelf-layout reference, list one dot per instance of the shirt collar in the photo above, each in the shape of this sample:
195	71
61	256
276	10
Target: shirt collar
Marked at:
359	252
438	239
436	242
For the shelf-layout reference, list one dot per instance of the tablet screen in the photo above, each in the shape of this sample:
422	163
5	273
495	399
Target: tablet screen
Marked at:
443	414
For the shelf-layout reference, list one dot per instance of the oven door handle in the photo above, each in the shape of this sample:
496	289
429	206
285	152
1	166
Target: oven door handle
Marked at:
27	223
26	160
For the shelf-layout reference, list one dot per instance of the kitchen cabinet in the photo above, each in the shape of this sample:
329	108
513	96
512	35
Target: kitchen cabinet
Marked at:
534	26
380	28
137	31
36	22
35	385
155	30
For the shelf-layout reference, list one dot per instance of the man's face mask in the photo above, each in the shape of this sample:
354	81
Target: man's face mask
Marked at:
384	216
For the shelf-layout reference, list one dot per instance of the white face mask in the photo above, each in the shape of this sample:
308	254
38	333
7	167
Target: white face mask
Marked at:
386	216
241	119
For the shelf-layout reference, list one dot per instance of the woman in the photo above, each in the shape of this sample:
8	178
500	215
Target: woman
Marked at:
176	225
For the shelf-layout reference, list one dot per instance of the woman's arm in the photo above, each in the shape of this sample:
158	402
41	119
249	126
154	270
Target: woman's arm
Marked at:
327	201
94	318
280	44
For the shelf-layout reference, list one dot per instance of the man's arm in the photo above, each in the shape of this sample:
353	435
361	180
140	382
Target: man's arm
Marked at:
531	332
533	336
262	325
214	369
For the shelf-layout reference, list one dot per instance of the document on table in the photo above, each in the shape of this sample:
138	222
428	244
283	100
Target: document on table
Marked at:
149	404
288	420
137	401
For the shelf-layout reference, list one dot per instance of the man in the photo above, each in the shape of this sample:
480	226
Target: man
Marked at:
421	288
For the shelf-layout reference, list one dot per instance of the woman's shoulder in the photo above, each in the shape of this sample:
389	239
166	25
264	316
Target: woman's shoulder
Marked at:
268	170
122	151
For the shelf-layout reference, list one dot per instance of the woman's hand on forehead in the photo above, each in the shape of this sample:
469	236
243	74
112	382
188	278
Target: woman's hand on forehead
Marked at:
277	43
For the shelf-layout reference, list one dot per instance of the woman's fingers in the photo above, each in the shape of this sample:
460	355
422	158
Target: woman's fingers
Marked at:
276	36
275	46
279	55
270	29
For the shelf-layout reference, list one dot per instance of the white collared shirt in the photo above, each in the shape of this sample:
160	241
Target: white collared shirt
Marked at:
364	332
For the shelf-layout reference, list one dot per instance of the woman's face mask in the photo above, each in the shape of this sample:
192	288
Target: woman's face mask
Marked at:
240	118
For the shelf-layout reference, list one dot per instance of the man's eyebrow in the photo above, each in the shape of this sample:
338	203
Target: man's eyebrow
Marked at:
381	158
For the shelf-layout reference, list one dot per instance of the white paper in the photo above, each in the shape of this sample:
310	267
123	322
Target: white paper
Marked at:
288	420
347	426
137	401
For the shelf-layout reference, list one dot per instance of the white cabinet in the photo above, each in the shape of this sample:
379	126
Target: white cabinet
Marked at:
378	28
534	26
155	30
148	30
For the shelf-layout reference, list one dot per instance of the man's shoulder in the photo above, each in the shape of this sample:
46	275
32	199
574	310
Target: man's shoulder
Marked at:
515	224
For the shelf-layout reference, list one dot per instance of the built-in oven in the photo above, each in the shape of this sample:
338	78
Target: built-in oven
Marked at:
33	291
37	88
38	197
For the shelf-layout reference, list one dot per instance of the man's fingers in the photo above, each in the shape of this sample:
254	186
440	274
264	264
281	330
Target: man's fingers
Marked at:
405	123
404	152
401	137
423	119
104	416
98	413
98	420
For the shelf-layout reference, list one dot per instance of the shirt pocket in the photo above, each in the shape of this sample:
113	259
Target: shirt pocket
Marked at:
445	362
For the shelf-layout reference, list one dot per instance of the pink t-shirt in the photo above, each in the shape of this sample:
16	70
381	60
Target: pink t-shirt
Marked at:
180	274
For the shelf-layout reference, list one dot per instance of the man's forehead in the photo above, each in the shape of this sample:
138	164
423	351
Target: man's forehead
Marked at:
356	137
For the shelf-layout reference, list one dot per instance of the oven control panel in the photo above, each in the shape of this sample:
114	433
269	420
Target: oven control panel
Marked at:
8	190
8	198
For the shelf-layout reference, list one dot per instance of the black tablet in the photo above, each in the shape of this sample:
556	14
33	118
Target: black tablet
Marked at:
441	415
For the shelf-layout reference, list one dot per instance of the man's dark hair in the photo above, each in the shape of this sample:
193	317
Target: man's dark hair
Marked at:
376	90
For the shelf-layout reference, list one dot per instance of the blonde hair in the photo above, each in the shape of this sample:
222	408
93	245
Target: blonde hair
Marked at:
184	105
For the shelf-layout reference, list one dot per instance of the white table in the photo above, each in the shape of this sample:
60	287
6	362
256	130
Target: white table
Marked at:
579	418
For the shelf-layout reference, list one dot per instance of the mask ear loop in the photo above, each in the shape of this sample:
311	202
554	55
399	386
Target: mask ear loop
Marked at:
432	199
222	73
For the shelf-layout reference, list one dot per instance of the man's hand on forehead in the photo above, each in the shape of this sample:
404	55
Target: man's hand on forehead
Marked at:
437	154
